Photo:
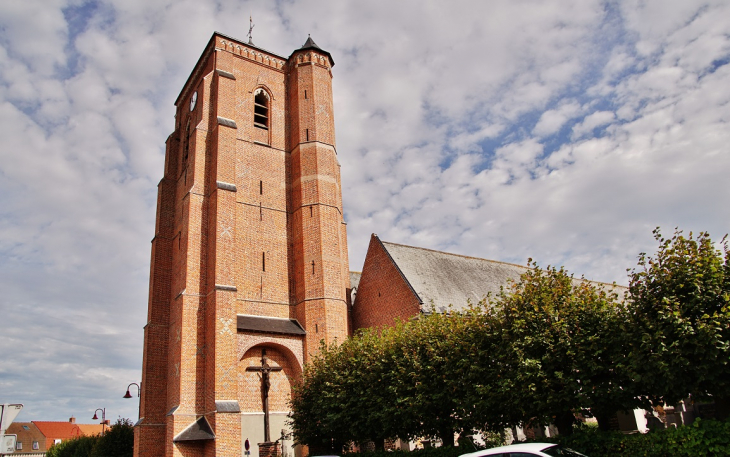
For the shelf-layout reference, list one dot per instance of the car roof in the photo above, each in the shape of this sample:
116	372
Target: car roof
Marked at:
535	447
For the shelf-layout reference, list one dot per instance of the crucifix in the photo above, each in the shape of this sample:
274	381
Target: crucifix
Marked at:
265	369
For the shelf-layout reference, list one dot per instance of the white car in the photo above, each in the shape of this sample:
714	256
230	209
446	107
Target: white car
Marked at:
526	450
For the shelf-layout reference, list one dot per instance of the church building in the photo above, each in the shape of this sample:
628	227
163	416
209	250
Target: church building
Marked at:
249	269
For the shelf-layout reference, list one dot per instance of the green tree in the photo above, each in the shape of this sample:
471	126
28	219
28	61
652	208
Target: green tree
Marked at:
562	350
77	447
345	395
406	382
680	313
117	441
435	355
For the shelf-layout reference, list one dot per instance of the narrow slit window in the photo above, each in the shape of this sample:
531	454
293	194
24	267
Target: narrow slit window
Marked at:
261	110
312	266
305	94
187	142
263	261
261	187
307	134
311	211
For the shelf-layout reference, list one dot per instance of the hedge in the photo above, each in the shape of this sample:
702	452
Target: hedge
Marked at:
702	438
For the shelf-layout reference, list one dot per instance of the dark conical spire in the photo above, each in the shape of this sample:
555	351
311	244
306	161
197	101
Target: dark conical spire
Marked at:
310	44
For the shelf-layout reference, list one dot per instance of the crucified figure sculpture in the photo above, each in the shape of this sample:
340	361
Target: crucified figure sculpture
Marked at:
265	369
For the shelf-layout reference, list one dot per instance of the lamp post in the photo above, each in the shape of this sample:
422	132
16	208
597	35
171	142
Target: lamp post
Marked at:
128	395
139	394
103	418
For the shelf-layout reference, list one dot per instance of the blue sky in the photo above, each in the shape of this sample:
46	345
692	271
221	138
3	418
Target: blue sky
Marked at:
562	131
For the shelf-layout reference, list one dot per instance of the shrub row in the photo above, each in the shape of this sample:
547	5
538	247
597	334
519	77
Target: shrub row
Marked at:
702	438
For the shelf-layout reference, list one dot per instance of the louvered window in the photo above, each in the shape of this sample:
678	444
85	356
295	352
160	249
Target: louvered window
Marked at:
261	110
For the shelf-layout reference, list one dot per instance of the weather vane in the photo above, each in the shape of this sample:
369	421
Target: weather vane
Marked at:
250	29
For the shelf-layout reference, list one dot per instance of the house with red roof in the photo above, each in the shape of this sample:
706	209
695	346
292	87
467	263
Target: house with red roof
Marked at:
36	437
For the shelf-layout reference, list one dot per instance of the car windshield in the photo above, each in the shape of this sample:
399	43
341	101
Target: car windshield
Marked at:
559	450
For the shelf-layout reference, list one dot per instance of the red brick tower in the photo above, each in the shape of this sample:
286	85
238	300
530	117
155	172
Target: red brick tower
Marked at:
320	270
249	259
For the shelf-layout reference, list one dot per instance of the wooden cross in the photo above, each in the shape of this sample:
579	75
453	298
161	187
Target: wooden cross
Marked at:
265	369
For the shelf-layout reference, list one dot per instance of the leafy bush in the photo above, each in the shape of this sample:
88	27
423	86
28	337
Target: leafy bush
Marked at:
702	438
118	441
77	447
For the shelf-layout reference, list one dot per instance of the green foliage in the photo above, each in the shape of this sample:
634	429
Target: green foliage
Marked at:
402	382
343	395
703	437
77	447
546	347
561	349
680	312
118	441
434	357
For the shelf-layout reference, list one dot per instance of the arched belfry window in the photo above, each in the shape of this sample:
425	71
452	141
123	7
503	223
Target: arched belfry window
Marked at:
261	109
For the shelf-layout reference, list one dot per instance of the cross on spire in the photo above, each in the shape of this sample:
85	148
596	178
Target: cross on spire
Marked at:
250	29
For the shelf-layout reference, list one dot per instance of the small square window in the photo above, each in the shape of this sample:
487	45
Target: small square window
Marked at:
35	445
18	446
26	427
57	441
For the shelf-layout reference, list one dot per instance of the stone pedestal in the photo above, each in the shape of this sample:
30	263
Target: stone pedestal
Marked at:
270	449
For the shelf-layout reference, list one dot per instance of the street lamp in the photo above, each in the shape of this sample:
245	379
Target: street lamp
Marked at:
103	418
128	395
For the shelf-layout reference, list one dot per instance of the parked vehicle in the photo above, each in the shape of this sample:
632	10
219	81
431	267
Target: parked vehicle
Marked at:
526	450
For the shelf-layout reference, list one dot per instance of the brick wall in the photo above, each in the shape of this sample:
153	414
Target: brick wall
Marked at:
249	221
383	295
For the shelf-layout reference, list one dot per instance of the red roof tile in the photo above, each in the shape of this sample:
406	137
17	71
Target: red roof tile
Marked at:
58	430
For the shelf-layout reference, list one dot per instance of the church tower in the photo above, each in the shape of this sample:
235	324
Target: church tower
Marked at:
249	266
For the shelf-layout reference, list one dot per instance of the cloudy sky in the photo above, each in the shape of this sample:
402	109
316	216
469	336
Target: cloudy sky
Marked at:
561	130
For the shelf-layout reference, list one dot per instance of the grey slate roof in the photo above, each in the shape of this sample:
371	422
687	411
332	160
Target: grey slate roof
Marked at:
310	44
269	325
447	279
444	279
198	430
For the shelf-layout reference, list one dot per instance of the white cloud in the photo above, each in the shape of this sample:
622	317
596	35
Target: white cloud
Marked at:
591	122
451	130
552	121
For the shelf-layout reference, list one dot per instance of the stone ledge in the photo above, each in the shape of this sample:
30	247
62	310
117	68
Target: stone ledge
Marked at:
227	406
226	186
227	122
226	74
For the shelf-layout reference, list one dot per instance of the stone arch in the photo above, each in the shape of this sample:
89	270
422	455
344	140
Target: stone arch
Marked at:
249	382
